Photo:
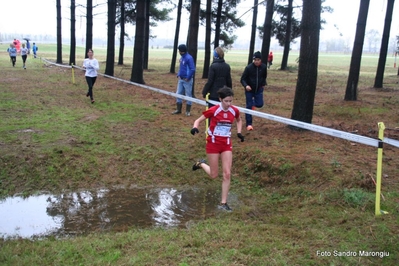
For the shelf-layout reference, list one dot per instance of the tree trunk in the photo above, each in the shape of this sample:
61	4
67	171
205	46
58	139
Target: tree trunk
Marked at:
72	51
397	49
176	40
384	46
354	70
308	62
147	35
139	43
89	26
208	33
59	37
253	32
122	35
267	30
110	62
217	26
192	43
284	61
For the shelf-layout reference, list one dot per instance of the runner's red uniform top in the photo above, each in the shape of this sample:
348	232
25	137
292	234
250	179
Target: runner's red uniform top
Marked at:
219	130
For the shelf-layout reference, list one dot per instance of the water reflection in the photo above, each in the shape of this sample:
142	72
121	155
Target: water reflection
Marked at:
74	213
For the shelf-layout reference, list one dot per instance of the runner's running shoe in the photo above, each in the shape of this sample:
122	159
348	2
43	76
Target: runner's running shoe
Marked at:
225	207
197	165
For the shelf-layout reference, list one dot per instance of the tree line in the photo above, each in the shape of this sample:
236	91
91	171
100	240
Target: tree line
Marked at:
220	20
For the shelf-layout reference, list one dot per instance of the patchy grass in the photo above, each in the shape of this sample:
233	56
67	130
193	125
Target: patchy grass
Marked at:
303	194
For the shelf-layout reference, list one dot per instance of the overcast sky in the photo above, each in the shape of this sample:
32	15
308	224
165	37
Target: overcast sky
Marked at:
30	17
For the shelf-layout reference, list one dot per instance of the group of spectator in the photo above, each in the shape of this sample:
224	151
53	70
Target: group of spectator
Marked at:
253	79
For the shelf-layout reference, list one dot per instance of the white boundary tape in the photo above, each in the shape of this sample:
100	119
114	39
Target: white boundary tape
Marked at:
392	142
324	130
315	128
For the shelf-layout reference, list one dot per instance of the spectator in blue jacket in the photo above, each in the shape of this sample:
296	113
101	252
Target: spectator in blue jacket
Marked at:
34	49
254	81
185	76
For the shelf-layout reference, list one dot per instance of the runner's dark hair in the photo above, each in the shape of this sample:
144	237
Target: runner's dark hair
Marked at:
225	92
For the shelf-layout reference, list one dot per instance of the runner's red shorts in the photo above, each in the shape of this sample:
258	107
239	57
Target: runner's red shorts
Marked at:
218	147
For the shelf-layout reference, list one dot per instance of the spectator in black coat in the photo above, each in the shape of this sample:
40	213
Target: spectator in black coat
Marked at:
219	76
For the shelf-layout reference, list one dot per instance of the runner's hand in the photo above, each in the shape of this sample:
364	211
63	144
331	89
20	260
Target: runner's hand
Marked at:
194	131
240	136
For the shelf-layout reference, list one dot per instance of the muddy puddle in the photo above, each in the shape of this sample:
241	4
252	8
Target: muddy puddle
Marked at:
78	213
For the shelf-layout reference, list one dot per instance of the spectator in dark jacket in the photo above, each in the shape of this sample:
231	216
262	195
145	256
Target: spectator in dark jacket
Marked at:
219	76
254	81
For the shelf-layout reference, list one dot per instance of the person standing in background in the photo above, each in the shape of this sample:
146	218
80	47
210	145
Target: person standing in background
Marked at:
254	81
219	76
17	45
185	76
28	45
270	59
34	50
91	66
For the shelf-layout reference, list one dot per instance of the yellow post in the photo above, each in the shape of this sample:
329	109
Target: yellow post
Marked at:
207	120
378	211
73	74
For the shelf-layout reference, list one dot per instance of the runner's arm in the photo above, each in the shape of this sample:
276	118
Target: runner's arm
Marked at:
239	124
198	121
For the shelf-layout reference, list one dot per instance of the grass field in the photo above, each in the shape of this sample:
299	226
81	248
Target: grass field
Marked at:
307	198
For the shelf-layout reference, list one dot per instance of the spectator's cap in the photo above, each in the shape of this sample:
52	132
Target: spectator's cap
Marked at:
257	55
182	48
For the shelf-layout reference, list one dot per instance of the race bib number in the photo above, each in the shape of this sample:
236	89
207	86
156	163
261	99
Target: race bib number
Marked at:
222	130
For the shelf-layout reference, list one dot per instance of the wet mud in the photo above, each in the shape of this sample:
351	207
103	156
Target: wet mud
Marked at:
78	213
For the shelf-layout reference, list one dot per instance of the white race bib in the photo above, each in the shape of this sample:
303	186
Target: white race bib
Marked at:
222	130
